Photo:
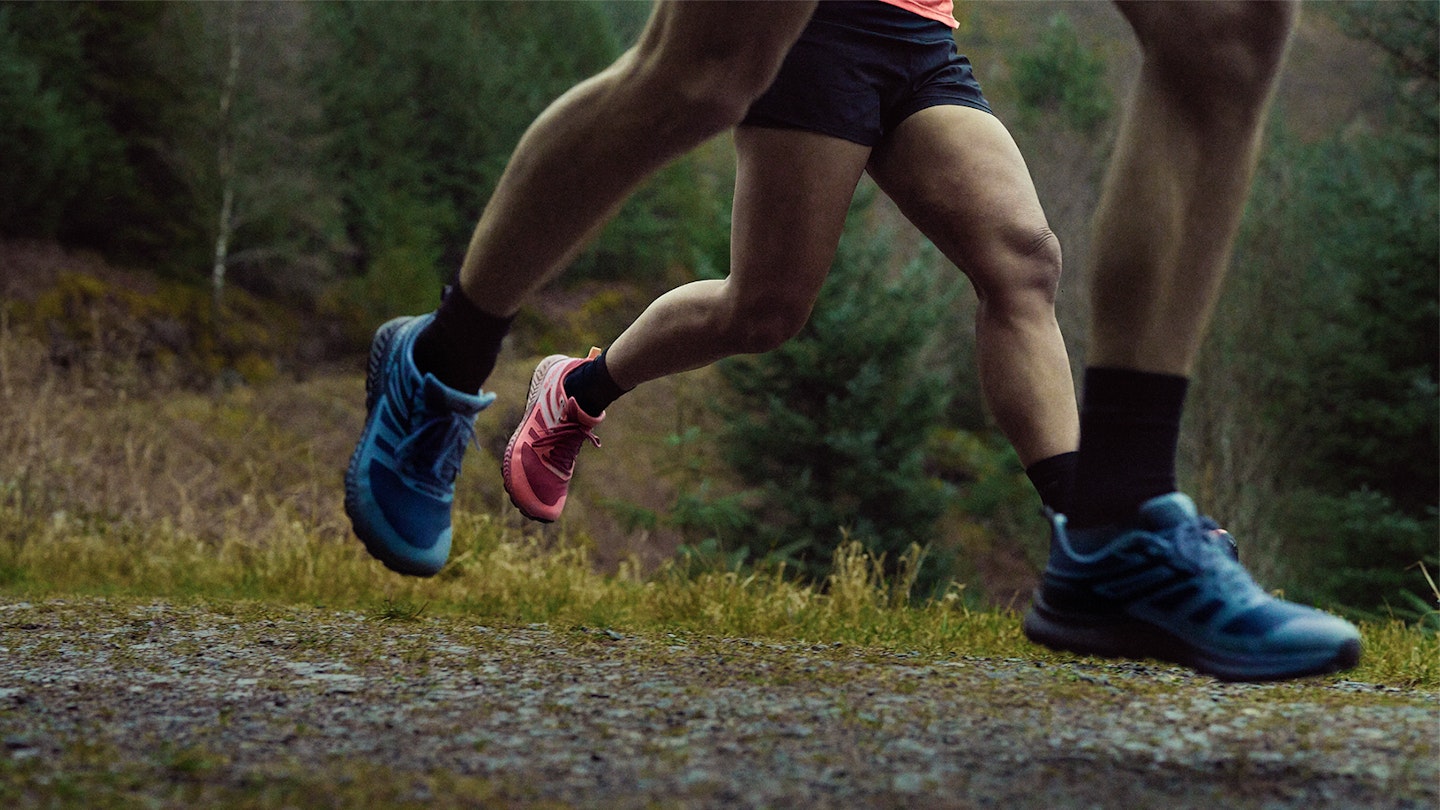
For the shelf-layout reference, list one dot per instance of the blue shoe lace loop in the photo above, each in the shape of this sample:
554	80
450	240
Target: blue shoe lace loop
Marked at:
432	454
1209	551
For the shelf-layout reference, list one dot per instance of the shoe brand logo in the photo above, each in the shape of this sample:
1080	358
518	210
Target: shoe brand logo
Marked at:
552	399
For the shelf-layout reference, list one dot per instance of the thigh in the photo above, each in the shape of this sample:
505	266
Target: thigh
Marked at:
792	192
956	173
737	41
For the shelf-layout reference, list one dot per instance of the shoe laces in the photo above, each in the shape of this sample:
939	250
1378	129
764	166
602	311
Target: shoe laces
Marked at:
564	441
434	451
1211	552
1220	538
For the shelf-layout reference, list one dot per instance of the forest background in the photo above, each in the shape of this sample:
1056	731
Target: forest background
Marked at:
207	197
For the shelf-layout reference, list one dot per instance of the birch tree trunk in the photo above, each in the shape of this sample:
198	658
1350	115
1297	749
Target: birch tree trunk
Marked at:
226	163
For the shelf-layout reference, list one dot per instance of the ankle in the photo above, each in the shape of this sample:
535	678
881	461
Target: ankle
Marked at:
461	345
1129	435
592	387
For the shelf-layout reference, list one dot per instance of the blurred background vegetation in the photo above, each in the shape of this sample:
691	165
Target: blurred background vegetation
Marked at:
199	196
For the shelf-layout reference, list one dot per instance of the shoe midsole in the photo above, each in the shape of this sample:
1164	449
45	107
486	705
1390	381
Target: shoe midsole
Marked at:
1127	637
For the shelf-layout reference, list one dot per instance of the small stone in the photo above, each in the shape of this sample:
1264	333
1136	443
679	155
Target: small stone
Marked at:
907	783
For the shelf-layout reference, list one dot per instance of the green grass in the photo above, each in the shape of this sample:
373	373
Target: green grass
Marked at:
502	575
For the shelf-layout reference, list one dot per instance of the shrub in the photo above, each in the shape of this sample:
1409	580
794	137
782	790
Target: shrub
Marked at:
833	426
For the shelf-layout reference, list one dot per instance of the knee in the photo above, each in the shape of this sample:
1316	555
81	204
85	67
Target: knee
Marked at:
762	326
1023	274
1235	48
1248	43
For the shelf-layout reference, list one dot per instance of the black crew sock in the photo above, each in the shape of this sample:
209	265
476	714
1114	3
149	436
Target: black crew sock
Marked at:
1129	434
460	346
592	386
1054	478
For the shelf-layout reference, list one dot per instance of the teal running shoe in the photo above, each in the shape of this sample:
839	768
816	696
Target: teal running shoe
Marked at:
1169	586
400	484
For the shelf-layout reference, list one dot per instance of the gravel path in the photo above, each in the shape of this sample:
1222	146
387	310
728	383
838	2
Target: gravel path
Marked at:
126	704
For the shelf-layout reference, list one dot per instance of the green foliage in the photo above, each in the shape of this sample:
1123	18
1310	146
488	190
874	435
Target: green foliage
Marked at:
139	207
709	557
110	113
256	137
990	489
661	232
607	308
1408	34
350	134
1361	398
128	340
1331	327
101	87
702	515
43	142
400	280
834	430
427	100
1380	199
1060	77
1362	552
401	276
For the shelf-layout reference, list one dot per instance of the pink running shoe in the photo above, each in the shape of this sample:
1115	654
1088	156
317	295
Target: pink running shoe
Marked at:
540	458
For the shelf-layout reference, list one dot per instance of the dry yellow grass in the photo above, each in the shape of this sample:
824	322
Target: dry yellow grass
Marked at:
238	495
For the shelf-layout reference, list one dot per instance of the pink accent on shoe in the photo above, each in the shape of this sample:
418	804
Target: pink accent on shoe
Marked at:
540	458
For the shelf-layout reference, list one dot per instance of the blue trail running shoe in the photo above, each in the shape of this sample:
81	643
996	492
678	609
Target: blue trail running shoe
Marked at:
1169	586
401	480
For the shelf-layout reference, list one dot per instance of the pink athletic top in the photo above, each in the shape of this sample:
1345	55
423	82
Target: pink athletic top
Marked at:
939	10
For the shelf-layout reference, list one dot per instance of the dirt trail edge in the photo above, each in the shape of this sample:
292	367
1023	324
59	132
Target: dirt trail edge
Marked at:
123	703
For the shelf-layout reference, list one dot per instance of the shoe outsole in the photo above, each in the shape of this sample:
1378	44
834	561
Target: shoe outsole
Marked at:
536	381
379	353
1134	639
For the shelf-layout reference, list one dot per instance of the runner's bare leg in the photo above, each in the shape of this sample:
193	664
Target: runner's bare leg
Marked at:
1182	169
693	74
957	174
792	192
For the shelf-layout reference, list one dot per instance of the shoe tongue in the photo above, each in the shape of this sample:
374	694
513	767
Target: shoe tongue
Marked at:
438	396
1168	510
574	412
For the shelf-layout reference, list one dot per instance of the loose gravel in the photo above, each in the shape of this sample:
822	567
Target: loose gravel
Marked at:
229	696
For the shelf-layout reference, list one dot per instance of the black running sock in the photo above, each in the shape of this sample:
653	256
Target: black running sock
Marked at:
460	346
1054	478
592	386
1129	434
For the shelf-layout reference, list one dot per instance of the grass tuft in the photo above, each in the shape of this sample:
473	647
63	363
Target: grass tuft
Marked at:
502	575
237	497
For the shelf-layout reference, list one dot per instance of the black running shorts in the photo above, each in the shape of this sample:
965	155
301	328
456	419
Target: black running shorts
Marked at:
860	68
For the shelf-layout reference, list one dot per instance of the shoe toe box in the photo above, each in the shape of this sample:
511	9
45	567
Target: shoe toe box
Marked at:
407	530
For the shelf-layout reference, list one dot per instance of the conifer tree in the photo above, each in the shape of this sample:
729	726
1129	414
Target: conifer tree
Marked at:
834	423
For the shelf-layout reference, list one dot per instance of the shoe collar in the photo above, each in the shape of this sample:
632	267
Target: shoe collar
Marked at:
1167	511
438	396
572	412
